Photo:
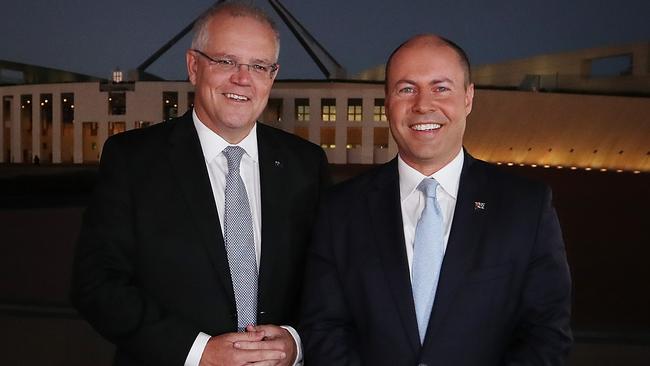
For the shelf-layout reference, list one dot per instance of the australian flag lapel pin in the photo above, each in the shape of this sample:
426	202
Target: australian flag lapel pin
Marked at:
479	206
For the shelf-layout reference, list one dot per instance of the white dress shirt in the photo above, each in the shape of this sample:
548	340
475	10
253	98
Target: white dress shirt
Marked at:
217	165
412	200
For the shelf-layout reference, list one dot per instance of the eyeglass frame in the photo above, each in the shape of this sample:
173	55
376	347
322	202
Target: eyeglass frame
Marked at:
272	68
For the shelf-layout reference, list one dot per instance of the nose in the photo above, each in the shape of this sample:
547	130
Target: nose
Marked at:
241	75
425	103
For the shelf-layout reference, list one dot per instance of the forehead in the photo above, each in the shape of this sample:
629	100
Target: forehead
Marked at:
241	36
425	61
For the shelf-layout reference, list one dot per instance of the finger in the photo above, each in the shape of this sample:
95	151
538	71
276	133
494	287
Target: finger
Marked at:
270	344
253	336
269	330
260	355
266	363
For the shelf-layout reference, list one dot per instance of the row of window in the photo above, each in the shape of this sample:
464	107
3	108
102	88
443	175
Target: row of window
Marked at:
170	108
328	110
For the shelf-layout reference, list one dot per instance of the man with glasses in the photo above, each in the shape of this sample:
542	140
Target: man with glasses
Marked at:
194	243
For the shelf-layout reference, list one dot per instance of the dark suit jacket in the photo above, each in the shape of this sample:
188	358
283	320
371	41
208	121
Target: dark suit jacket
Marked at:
504	291
151	269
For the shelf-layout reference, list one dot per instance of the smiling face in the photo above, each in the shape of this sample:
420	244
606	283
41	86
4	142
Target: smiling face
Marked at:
427	103
229	102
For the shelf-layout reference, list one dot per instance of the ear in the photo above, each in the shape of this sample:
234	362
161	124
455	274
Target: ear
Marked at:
469	99
192	66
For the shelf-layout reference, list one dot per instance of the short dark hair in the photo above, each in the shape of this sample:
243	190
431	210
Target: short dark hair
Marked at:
235	9
462	56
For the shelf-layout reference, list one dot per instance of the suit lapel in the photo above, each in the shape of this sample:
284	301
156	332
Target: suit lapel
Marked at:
467	226
188	167
273	167
385	214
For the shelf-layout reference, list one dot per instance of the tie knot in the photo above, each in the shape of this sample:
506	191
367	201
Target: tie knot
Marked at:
233	155
428	187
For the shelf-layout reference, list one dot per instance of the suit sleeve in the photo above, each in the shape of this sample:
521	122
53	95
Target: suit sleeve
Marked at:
104	286
326	323
543	334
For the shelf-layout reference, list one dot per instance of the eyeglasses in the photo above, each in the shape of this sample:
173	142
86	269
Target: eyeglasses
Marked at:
226	64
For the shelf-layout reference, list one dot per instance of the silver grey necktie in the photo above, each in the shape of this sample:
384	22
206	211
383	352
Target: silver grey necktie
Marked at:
240	242
428	251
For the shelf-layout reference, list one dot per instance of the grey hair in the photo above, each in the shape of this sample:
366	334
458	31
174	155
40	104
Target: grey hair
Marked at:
235	9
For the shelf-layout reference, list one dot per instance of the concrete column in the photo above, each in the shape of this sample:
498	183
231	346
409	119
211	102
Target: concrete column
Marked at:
16	143
129	125
77	138
56	128
182	102
367	131
36	127
288	116
341	134
102	135
315	121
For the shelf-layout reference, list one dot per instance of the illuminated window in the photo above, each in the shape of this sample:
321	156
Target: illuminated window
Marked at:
355	107
116	103
67	108
380	137
170	105
142	124
117	76
379	111
328	109
273	111
302	109
190	99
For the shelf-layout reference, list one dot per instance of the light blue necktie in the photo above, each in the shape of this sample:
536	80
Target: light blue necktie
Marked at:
427	255
240	242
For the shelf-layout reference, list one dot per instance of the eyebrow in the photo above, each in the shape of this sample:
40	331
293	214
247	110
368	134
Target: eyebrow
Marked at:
254	60
432	82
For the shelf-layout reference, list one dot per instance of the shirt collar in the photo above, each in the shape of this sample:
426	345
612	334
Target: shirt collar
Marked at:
213	144
448	176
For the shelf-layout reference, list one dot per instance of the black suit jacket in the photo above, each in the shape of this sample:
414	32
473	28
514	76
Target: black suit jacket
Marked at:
504	291
151	270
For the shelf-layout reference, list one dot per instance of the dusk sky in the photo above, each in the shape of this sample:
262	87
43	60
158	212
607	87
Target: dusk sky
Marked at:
94	37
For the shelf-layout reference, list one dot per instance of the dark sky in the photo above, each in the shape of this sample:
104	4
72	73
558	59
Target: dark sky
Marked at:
93	37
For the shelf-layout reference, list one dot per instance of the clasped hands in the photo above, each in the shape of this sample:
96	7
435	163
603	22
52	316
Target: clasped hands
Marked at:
261	345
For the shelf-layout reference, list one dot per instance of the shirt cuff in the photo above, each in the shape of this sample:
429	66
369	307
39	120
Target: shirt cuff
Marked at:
296	338
194	356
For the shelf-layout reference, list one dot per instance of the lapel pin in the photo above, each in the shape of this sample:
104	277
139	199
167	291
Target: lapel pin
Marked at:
479	206
277	164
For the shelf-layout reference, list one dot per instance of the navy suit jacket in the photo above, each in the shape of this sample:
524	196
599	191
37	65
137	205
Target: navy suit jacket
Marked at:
504	292
151	269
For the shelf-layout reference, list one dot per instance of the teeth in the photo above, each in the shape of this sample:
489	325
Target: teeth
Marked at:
236	96
426	126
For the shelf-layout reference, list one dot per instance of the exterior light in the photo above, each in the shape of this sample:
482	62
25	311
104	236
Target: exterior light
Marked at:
511	164
636	172
574	168
533	165
587	168
546	166
603	170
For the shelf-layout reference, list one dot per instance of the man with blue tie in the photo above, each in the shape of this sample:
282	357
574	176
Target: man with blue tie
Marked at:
193	247
435	258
